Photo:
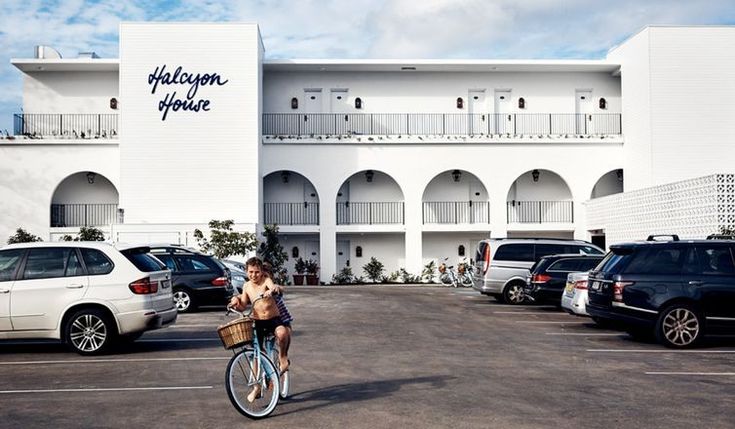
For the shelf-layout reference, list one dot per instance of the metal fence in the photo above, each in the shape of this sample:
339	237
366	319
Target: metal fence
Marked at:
351	213
69	126
540	211
455	212
291	213
63	215
306	124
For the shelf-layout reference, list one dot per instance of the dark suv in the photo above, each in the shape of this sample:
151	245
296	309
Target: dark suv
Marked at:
549	275
198	279
678	290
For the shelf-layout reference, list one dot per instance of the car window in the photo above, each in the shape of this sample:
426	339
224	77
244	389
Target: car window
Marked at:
551	249
9	260
715	260
480	253
97	263
46	263
168	260
73	265
564	265
657	260
514	252
195	263
143	260
587	250
587	264
614	260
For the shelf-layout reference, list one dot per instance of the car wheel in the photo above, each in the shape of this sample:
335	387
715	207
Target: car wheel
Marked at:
513	294
183	300
89	332
679	326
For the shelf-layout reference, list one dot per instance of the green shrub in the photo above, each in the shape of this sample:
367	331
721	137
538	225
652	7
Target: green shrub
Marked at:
344	276
22	236
374	270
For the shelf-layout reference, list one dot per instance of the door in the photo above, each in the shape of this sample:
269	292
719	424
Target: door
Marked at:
9	262
477	112
503	116
311	250
343	254
52	278
583	116
479	209
716	283
339	110
313	123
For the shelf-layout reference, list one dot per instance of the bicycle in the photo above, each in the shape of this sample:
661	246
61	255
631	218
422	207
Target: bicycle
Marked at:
253	381
460	277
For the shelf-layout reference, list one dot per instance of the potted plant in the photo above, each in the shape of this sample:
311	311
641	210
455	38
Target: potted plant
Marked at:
300	268
311	269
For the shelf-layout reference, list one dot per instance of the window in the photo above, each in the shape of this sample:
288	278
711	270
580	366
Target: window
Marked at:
97	263
661	260
587	264
551	249
143	260
586	250
564	265
195	263
515	252
168	260
73	265
715	260
45	263
9	260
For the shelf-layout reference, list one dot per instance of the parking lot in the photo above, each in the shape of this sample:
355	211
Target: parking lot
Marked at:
385	356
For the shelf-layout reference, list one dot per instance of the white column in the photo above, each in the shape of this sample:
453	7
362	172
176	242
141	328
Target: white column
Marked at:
498	215
414	237
328	253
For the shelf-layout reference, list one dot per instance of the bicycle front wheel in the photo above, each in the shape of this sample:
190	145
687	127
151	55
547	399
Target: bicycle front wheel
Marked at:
446	279
252	384
466	280
285	377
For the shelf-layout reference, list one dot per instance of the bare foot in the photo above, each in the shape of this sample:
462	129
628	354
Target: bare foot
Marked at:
284	363
254	394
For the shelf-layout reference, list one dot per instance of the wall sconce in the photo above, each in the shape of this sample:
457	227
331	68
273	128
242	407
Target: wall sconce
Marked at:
358	103
603	103
358	252
295	252
521	103
113	103
460	250
285	175
460	103
619	174
90	177
456	175
534	174
294	103
369	175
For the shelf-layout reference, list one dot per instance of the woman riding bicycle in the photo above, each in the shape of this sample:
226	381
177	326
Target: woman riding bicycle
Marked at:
260	292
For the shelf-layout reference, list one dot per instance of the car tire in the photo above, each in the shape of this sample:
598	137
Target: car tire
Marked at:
513	293
183	300
90	332
679	326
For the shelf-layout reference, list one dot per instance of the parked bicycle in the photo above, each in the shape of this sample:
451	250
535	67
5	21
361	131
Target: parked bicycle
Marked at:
462	276
253	379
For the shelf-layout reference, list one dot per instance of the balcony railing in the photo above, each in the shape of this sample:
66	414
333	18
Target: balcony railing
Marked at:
441	124
456	212
63	215
65	126
351	213
540	211
291	213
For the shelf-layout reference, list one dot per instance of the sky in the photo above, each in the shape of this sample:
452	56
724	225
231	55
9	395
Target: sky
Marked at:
415	29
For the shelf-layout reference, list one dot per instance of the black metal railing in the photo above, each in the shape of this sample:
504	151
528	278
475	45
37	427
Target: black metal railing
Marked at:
291	213
516	124
456	212
66	126
540	211
63	215
351	213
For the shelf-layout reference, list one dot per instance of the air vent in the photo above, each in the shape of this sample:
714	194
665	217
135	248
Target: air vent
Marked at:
408	68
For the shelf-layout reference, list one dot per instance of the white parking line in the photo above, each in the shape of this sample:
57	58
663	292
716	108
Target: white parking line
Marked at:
593	334
715	374
109	389
213	326
89	361
539	322
531	312
659	351
174	340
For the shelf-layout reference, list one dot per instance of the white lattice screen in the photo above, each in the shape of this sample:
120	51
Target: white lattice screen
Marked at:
691	208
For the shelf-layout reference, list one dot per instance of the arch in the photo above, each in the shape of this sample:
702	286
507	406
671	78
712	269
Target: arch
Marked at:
455	196
84	198
380	181
548	181
370	197
609	183
289	198
539	196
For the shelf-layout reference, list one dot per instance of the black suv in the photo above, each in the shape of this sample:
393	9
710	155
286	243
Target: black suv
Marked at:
677	290
198	279
549	275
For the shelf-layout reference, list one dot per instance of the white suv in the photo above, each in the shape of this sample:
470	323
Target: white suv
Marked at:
88	294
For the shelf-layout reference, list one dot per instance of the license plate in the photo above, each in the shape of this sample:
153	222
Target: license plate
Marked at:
165	284
570	287
595	285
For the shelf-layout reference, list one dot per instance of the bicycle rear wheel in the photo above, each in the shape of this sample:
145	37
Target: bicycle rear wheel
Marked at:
466	280
244	377
445	279
285	377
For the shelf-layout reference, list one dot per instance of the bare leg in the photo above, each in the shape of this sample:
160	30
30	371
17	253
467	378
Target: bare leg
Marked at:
283	336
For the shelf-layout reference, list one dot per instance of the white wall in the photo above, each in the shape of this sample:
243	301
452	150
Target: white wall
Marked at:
193	166
440	245
386	248
69	92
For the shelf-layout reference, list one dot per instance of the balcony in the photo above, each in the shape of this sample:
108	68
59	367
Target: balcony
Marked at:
441	124
65	126
370	213
540	212
291	213
456	212
69	215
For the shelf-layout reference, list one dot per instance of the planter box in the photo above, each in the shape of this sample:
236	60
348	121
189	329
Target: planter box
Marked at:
312	279
298	279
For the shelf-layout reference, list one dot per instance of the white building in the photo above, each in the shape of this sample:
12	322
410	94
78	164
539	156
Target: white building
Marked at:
405	160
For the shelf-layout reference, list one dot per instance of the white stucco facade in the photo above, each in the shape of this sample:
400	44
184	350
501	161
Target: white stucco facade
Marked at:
408	161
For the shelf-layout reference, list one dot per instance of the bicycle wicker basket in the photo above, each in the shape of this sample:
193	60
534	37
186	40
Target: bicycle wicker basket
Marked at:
236	333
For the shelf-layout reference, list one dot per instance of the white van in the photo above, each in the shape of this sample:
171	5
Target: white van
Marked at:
502	264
